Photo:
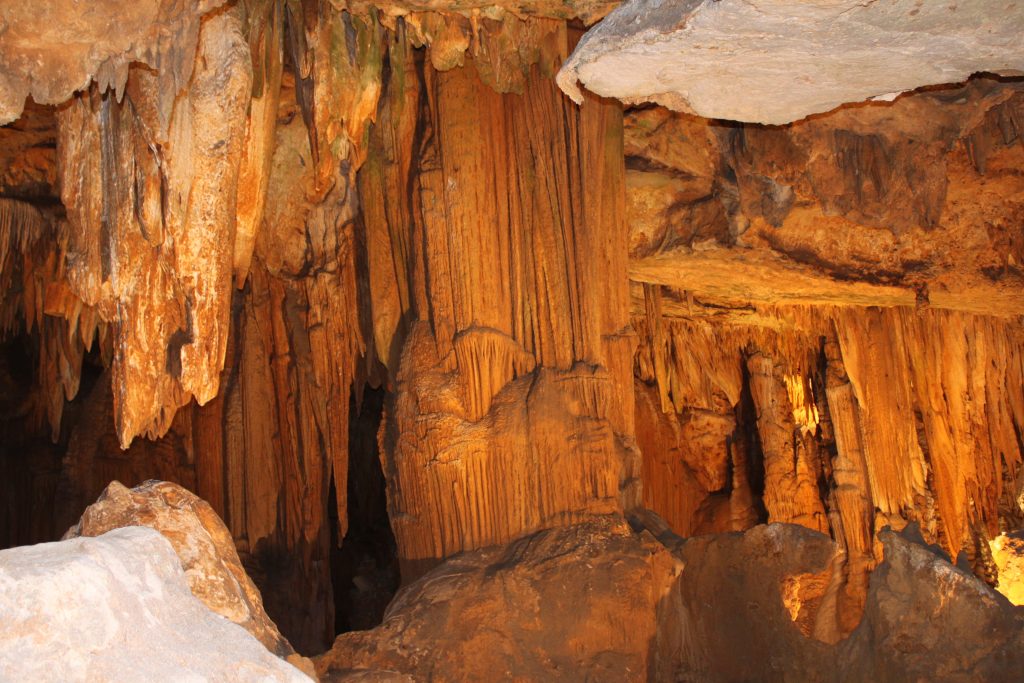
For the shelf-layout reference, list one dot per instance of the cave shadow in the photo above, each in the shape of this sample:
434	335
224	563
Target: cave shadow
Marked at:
364	568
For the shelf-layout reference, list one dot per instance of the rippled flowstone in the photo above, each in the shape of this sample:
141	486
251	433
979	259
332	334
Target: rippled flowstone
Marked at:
117	608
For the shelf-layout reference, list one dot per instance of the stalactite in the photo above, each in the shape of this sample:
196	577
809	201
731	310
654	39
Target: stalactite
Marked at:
886	370
152	216
154	247
286	200
514	374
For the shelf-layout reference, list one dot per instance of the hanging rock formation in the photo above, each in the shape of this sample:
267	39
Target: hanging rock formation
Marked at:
513	379
49	51
829	321
765	61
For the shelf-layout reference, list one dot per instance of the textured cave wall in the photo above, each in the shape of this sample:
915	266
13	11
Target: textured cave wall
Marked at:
164	198
214	268
498	277
572	310
838	302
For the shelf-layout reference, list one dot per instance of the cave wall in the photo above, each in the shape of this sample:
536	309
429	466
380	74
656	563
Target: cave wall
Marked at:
572	309
503	298
837	301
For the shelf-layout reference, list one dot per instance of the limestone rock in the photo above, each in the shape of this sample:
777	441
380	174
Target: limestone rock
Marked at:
202	542
568	604
768	61
500	307
766	607
50	50
598	601
830	288
928	620
117	608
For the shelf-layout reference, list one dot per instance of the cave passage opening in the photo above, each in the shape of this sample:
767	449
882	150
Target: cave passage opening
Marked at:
364	566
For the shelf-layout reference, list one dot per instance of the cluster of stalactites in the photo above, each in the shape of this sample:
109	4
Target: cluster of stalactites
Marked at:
179	175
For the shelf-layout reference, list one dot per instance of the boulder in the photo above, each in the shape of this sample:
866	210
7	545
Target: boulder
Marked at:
202	542
760	606
609	601
117	608
926	619
575	603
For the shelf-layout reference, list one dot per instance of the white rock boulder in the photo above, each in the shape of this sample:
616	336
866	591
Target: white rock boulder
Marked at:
776	61
117	607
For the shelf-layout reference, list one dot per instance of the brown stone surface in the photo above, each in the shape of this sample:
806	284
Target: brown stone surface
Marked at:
833	289
571	310
576	603
901	204
151	201
51	50
499	304
597	601
774	611
959	627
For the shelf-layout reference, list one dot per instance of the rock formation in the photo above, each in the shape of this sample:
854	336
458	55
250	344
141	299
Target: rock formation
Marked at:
242	218
924	619
600	601
764	61
202	543
582	602
117	608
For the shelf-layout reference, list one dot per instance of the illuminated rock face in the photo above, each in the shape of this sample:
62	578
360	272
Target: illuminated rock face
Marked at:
1008	556
565	311
818	302
513	383
766	61
117	608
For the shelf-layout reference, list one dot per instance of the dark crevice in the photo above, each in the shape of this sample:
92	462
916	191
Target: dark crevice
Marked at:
364	570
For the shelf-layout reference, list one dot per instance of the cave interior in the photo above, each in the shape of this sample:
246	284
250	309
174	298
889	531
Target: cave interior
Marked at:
661	345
